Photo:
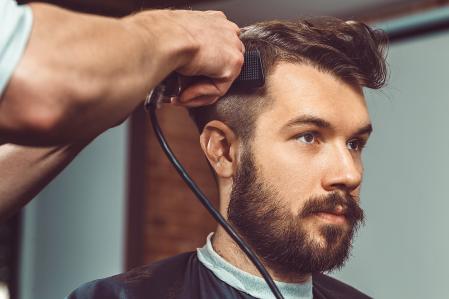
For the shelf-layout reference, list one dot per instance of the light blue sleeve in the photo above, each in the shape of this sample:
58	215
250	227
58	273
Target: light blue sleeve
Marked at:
15	28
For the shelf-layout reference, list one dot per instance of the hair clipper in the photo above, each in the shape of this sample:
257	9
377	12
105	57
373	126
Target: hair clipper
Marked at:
251	76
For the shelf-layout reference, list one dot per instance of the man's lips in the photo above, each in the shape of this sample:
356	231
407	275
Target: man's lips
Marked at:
332	217
333	210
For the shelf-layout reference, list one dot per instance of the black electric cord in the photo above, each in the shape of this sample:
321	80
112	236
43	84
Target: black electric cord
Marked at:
151	108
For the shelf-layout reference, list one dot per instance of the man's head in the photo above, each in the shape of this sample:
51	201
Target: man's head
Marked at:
287	156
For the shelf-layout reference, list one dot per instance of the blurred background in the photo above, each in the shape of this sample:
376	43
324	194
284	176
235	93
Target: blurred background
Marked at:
120	204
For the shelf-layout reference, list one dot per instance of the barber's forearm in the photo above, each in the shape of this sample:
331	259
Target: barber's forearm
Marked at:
25	171
82	74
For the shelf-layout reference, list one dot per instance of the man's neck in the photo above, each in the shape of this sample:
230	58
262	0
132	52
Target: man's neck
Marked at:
231	252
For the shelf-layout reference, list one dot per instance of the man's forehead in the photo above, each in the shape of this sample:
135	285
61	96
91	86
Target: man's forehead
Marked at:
302	90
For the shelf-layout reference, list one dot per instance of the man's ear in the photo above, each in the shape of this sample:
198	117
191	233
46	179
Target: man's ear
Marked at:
220	145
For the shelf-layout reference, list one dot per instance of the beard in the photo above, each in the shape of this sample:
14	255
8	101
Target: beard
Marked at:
280	238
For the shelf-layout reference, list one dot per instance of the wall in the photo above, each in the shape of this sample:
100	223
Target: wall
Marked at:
175	221
402	251
73	231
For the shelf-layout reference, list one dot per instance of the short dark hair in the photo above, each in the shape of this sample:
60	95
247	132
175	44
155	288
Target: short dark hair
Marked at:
350	50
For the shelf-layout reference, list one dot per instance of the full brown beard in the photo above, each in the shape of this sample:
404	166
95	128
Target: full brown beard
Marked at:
277	236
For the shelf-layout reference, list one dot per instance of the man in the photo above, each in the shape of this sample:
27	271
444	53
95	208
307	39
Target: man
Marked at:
287	159
66	77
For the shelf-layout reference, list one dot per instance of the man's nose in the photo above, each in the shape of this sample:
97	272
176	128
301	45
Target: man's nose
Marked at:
343	172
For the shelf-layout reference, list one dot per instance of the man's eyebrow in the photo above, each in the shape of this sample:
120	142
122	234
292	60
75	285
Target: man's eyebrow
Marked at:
324	124
364	130
308	119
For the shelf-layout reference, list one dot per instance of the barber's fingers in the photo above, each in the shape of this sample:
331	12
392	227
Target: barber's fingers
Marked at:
229	74
210	89
199	101
203	91
235	27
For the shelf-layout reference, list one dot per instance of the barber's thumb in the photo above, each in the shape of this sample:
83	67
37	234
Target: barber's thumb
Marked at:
199	101
204	92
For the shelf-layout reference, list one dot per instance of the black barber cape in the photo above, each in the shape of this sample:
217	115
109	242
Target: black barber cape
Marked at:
185	277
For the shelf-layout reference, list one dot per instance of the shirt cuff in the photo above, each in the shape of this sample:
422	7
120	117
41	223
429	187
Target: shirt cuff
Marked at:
17	21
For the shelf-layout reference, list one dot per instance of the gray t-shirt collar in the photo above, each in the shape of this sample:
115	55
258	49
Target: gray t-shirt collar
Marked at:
248	283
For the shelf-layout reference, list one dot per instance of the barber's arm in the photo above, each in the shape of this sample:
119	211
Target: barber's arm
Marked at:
82	74
24	171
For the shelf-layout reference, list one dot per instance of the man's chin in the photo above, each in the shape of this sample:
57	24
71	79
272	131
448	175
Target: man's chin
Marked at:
317	223
326	236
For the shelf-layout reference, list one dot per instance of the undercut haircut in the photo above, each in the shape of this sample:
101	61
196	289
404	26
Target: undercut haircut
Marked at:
349	50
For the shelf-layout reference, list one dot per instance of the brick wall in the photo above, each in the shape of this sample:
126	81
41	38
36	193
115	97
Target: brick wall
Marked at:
174	220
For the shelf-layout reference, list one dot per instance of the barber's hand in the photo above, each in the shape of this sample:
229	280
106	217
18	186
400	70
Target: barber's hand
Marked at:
204	45
207	47
218	58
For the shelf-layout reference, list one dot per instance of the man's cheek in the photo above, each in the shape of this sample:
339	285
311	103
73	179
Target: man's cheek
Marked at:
298	191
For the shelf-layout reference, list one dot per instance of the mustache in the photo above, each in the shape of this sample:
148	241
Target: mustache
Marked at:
329	204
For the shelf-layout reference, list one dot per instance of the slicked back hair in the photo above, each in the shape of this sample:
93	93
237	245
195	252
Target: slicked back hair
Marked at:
349	50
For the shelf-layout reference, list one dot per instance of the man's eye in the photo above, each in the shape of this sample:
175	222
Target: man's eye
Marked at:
356	145
307	138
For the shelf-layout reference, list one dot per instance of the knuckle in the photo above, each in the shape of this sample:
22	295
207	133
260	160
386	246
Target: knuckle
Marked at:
221	14
228	74
235	27
240	47
232	28
240	61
